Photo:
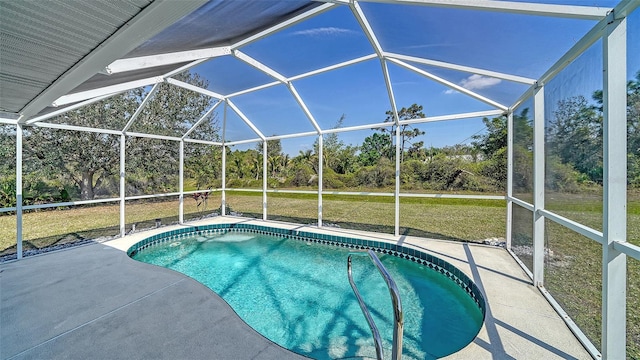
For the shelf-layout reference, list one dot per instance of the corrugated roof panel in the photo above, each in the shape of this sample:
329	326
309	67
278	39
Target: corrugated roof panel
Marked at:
42	39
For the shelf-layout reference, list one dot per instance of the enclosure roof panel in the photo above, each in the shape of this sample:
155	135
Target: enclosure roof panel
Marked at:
62	52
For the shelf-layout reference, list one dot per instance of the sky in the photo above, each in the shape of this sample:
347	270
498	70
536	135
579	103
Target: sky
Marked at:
521	45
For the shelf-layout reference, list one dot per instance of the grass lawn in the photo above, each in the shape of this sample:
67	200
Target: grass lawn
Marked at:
573	266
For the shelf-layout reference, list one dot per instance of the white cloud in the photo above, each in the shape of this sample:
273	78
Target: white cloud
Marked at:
476	82
324	31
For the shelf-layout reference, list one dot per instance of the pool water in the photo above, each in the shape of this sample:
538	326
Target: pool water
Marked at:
297	294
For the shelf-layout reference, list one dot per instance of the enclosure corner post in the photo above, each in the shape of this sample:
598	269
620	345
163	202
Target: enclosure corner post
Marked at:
538	187
19	128
509	233
320	146
181	184
614	222
123	145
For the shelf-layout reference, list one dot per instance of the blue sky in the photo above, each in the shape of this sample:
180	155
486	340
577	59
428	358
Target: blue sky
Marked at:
514	44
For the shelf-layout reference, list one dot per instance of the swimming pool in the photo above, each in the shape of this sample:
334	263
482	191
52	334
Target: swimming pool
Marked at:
292	287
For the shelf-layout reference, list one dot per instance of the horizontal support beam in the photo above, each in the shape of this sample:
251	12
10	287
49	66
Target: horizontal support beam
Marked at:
69	203
143	62
204	142
141	197
67	109
290	136
8	121
112	90
468	69
628	249
77	128
201	191
240	142
460	116
455	196
153	136
512	7
577	227
358	127
521	203
260	87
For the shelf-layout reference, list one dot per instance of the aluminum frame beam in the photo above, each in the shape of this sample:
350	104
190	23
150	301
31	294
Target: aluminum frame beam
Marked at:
245	119
142	105
203	118
194	88
366	28
449	84
283	25
538	187
148	22
621	10
144	62
19	135
614	224
107	90
67	109
565	11
468	69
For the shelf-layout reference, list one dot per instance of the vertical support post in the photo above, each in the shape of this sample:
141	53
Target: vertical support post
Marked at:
320	164
223	204
509	178
123	146
181	185
614	263
538	187
396	194
264	180
19	131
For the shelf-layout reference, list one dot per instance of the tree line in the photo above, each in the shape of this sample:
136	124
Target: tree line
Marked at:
60	165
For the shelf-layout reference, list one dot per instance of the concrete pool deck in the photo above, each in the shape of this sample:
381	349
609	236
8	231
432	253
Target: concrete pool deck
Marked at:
93	301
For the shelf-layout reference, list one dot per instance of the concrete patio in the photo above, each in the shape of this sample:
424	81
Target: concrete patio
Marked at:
94	302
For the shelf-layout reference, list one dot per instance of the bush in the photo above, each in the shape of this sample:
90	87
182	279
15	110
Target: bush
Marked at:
331	180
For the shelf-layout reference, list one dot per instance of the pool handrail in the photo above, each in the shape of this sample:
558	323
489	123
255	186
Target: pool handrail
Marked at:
398	314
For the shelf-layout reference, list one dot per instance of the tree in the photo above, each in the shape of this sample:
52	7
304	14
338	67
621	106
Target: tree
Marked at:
274	156
575	136
88	159
494	139
407	132
331	147
373	148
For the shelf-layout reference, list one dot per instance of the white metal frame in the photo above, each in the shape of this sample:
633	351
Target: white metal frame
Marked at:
611	28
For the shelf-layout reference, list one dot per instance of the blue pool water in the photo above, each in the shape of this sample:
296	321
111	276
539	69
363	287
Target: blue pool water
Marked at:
297	294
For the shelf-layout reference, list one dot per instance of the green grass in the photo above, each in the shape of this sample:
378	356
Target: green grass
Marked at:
573	269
